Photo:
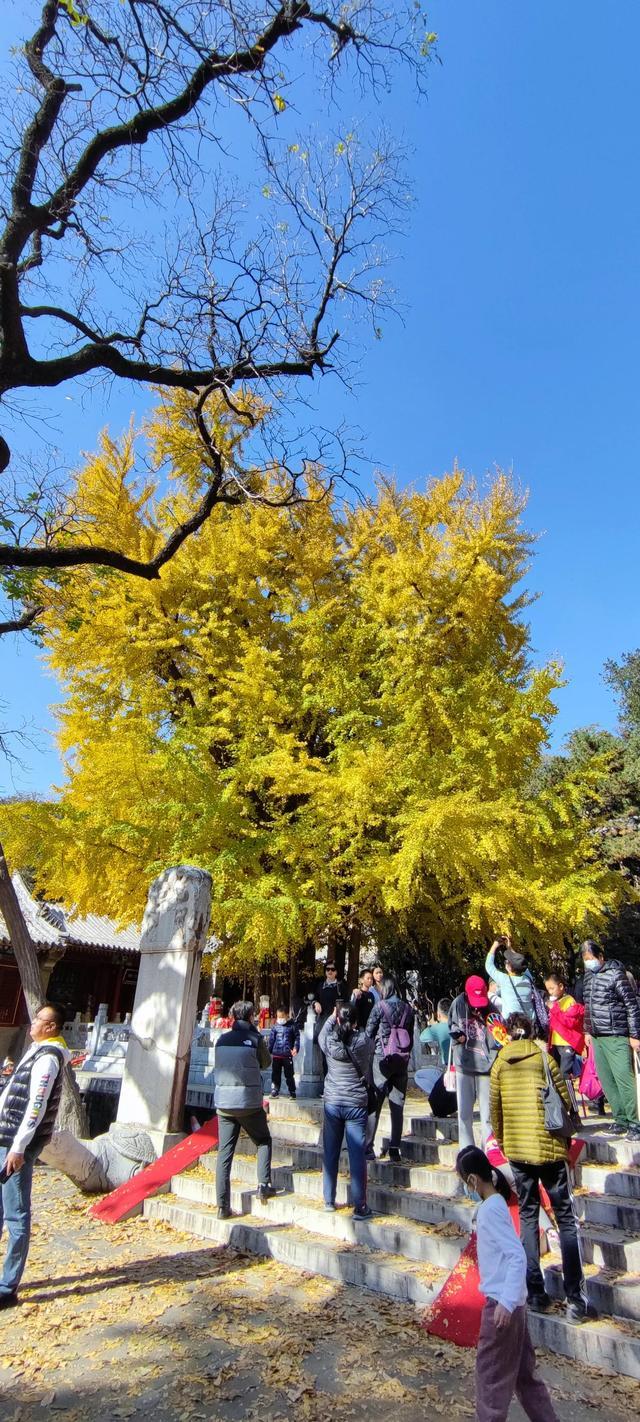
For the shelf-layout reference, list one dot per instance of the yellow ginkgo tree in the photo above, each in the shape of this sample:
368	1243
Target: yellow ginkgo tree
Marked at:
332	709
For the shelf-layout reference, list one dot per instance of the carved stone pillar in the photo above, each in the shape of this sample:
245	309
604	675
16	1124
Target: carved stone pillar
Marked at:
174	932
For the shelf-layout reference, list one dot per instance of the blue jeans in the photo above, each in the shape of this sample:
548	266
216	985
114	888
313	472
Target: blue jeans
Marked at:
15	1213
339	1119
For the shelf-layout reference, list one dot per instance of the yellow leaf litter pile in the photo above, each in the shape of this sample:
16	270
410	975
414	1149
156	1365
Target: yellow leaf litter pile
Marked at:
137	1320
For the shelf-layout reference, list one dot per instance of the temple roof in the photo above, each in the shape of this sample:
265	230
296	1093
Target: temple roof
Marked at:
53	926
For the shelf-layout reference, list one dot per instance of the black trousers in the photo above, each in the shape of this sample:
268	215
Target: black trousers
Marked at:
229	1127
394	1084
277	1066
555	1179
565	1058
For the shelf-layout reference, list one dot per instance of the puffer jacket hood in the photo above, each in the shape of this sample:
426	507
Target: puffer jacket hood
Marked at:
517	1110
521	1051
611	1007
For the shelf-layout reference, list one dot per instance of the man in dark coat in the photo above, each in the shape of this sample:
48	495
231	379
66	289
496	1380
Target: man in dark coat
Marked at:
612	1025
241	1055
328	993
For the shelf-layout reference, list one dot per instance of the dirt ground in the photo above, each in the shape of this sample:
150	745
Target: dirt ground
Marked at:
120	1321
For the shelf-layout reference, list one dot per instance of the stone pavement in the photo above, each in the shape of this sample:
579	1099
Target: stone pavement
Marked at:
127	1320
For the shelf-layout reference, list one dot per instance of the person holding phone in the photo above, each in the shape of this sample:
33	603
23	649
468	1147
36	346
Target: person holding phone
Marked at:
348	1053
514	982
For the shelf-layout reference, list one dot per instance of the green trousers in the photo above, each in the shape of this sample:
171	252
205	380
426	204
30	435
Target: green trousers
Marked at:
615	1069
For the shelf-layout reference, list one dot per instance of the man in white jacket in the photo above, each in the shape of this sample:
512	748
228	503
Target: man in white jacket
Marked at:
28	1109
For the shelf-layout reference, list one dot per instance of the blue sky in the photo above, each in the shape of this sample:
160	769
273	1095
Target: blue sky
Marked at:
519	345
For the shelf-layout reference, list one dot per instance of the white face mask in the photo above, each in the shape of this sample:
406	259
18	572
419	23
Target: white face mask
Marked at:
592	965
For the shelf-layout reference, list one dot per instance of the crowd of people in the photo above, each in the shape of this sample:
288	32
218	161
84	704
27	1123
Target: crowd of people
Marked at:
505	1045
365	1041
501	1046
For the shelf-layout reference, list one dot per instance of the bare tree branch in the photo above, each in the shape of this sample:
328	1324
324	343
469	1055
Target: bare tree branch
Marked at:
119	106
20	624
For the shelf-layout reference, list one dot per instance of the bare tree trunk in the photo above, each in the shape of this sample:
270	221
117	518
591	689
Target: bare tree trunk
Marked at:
72	1114
293	981
355	945
21	941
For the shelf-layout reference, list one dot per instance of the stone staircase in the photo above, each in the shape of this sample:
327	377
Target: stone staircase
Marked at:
422	1222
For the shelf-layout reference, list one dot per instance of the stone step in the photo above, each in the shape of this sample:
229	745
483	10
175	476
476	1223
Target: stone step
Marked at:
396	1190
244	1171
610	1150
423	1193
420	1243
432	1179
436	1244
427	1145
439	1127
310	1109
604	1343
611	1293
406	1179
424	1151
295	1132
615	1211
389	1274
407	1203
610	1248
610	1180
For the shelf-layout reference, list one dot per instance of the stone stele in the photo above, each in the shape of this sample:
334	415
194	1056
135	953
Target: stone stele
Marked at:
174	933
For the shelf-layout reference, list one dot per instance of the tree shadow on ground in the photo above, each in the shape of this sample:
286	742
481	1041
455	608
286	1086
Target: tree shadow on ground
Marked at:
165	1269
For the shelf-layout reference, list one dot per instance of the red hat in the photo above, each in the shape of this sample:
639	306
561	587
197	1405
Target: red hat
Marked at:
476	992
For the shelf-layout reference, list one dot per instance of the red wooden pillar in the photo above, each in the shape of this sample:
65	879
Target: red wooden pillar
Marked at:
114	1006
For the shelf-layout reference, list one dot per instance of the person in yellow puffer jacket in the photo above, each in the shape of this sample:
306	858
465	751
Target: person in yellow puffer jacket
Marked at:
537	1158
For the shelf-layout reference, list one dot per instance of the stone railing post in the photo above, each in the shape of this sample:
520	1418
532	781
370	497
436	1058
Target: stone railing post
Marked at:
308	1067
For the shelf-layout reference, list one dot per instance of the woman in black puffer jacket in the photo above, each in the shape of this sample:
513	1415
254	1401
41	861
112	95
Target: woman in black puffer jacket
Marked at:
348	1057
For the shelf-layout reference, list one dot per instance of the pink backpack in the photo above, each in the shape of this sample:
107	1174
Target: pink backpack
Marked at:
398	1043
589	1080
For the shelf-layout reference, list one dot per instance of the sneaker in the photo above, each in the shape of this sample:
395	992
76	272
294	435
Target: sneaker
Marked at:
9	1300
364	1213
633	1133
224	1213
395	1154
371	1155
576	1311
538	1303
293	1095
329	1209
266	1192
274	1095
